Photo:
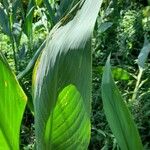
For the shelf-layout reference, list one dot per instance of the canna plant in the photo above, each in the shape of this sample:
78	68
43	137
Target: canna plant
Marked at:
62	87
62	82
12	105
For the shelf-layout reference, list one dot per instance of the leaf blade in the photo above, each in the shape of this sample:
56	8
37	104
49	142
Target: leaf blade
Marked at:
118	116
142	58
65	61
12	105
4	22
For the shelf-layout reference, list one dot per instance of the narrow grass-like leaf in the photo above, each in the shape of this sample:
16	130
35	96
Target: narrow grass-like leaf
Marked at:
12	105
31	63
118	115
50	11
29	19
16	5
142	58
62	82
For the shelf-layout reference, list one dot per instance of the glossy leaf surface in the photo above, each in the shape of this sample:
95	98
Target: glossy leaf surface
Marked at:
12	105
62	82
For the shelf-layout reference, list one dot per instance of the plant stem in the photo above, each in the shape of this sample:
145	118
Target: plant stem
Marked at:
135	92
14	53
10	18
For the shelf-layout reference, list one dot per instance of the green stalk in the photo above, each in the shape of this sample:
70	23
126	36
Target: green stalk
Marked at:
10	18
137	86
14	52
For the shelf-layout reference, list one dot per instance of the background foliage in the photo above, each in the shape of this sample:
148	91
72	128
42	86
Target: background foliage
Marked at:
121	29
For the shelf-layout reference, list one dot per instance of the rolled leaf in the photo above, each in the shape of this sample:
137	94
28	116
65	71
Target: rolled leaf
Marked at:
12	105
62	82
117	113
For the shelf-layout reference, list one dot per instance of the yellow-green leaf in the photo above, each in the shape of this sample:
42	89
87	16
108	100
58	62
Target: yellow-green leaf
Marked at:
12	105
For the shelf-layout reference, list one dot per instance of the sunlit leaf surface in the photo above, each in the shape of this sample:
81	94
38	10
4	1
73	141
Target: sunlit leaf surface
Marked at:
12	104
62	82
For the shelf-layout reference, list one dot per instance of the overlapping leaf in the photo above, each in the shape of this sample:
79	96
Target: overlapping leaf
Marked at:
12	104
4	22
62	82
65	6
118	115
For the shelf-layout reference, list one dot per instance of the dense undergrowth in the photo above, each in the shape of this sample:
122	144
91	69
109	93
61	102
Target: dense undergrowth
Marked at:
120	30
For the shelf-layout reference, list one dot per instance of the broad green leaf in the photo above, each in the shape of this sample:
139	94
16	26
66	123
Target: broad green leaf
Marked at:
12	105
142	58
69	119
62	82
117	113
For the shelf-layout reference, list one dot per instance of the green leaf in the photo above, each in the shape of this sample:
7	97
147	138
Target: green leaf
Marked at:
4	22
120	74
5	3
29	19
16	5
62	82
69	119
118	115
117	73
142	58
65	7
12	105
31	63
104	26
38	2
51	12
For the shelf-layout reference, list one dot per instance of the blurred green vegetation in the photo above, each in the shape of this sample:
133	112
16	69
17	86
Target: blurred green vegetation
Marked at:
120	30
